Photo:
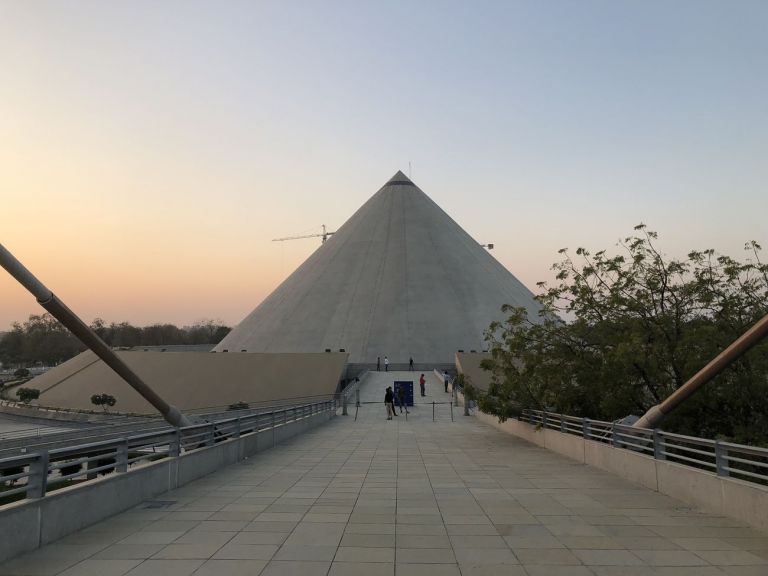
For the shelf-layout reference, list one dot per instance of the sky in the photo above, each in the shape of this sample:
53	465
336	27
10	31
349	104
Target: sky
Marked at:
150	151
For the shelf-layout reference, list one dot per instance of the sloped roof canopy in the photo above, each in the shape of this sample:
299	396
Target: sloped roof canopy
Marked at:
400	278
192	380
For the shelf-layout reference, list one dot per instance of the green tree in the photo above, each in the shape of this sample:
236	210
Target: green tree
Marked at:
206	332
26	395
103	400
41	339
638	326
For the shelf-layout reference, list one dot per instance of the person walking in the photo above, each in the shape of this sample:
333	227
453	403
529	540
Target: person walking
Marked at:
401	398
410	365
422	384
445	379
388	397
386	364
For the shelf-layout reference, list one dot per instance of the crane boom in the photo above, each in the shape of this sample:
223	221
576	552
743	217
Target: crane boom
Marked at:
324	236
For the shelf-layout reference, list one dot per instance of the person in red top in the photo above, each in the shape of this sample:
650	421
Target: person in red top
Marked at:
422	382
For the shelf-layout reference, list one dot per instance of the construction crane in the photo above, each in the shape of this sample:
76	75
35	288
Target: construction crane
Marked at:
324	236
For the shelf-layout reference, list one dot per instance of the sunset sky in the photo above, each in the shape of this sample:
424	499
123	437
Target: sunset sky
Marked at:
149	151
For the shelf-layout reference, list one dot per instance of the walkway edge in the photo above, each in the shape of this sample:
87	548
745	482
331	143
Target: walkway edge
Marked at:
729	497
33	523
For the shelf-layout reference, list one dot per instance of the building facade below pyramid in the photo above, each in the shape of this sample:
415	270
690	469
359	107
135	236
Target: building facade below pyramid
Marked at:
399	279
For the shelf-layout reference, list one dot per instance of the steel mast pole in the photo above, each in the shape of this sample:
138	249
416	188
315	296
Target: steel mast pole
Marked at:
737	349
74	324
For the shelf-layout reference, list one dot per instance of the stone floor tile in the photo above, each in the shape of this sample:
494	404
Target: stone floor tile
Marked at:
427	570
276	538
129	551
187	551
268	526
592	542
689	571
537	556
246	552
231	568
279	517
424	556
633	571
29	565
362	569
467	557
368	540
151	538
171	526
422	541
421	529
353	528
742	570
101	568
296	568
732	558
166	568
523	530
703	544
306	553
541	542
355	554
551	570
220	526
669	558
607	557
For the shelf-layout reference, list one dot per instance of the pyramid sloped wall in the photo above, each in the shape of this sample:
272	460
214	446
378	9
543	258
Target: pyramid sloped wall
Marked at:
399	278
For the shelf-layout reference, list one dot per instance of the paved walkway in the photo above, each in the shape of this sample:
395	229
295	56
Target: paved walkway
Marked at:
416	497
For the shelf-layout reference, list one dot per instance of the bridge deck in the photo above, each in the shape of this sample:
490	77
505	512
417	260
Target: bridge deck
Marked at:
414	497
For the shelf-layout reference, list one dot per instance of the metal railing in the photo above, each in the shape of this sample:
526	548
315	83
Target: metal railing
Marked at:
35	474
749	463
120	424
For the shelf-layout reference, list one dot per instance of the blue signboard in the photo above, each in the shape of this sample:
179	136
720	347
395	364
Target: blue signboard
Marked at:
407	386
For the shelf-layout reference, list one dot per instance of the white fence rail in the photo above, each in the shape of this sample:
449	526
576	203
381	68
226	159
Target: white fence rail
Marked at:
749	463
30	476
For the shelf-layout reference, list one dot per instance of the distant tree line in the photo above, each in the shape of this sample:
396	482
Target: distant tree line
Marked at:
619	333
42	339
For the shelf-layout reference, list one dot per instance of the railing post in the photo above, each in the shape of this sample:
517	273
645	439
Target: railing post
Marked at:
174	446
37	481
659	447
343	404
562	423
91	464
614	437
433	410
451	412
211	436
721	459
121	457
238	427
585	427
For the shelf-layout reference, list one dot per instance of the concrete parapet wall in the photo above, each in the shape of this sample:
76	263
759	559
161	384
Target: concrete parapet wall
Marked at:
725	496
30	524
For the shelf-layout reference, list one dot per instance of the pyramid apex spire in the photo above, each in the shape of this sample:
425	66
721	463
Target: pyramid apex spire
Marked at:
400	179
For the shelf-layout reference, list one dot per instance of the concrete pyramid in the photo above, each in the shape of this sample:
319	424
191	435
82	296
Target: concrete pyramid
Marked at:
400	278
